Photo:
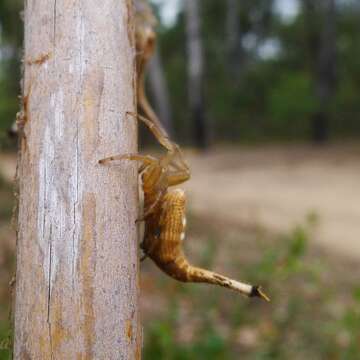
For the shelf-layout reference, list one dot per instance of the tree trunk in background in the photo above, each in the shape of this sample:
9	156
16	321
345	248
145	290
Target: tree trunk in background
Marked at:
196	73
326	72
77	282
323	49
160	92
262	16
233	38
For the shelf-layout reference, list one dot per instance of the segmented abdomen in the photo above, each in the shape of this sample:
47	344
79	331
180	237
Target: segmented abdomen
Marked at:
167	250
165	230
164	234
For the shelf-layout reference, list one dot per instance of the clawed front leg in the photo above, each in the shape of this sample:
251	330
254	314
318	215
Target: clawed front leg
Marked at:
174	157
178	177
159	133
145	159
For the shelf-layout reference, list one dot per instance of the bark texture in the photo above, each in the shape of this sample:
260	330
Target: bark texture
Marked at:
77	266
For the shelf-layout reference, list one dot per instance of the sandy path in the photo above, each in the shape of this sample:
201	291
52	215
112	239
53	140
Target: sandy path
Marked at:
276	187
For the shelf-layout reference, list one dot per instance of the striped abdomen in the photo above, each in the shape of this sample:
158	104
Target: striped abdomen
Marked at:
164	235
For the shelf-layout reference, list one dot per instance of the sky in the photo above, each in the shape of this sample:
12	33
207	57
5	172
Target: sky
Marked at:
288	9
169	9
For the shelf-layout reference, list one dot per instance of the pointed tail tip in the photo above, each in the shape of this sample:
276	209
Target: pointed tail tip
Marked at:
257	291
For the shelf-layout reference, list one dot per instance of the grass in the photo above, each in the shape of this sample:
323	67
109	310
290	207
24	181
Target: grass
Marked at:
6	265
5	343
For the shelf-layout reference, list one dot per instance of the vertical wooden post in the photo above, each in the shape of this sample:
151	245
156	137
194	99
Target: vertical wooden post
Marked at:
77	267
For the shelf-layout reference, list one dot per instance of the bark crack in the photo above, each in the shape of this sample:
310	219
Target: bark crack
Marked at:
54	30
77	148
73	246
44	205
49	290
76	202
81	39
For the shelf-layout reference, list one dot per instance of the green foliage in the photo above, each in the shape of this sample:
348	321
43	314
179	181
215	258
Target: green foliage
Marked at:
7	199
291	103
5	343
161	344
11	34
6	268
350	324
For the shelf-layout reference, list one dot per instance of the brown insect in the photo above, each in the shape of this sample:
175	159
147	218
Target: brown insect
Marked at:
164	214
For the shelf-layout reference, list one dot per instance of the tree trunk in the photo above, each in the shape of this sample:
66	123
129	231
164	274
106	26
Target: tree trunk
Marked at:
77	282
159	91
325	72
196	73
235	53
322	45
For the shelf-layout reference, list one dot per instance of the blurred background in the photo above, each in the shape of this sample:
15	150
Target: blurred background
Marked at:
263	95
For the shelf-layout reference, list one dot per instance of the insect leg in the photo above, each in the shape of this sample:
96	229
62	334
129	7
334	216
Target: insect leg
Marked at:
161	135
178	177
152	207
157	131
145	159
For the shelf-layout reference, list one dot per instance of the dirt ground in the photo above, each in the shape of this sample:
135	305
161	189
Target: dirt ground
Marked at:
276	187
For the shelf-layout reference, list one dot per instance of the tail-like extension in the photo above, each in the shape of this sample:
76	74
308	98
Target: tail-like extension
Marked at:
206	276
181	270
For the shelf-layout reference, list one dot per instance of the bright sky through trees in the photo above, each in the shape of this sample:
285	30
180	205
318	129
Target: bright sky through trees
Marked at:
169	9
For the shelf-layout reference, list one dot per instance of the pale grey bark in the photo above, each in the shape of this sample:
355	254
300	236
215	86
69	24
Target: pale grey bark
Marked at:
196	72
77	283
159	91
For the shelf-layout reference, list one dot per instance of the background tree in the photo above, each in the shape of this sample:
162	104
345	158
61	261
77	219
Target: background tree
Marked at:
325	70
160	92
319	21
196	73
235	50
11	35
